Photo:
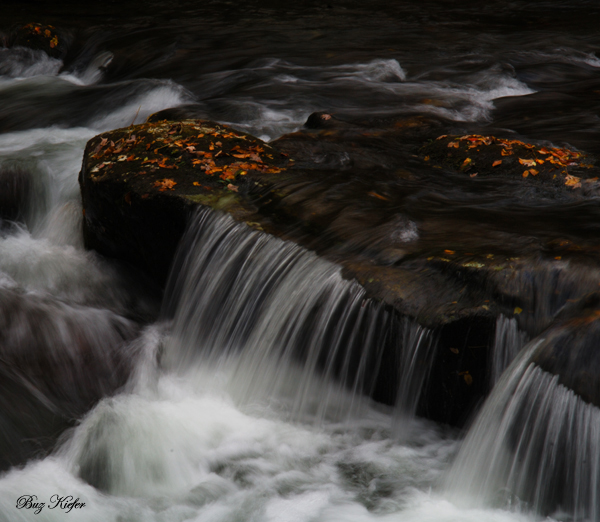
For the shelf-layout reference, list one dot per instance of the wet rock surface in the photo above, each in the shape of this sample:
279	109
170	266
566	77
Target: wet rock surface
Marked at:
41	37
449	242
16	187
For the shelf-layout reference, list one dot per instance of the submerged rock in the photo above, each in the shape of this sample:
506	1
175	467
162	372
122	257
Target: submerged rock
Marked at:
56	362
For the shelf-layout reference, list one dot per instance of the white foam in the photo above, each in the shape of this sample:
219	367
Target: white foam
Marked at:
19	62
158	95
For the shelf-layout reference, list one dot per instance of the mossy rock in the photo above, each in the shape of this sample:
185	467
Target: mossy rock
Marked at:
140	184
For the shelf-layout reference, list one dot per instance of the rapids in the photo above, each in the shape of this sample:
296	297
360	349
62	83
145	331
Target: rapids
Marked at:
247	391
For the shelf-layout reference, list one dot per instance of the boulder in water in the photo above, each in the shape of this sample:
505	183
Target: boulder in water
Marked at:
41	37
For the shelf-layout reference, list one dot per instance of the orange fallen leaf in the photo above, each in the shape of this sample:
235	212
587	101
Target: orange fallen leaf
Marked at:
496	163
526	173
534	172
165	184
527	162
449	252
572	181
453	144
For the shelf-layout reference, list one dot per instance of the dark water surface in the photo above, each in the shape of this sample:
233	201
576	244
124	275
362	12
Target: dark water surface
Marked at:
201	429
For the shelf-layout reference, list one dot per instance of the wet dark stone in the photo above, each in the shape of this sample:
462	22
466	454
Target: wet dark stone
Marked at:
130	214
16	187
458	381
191	111
42	37
447	262
570	349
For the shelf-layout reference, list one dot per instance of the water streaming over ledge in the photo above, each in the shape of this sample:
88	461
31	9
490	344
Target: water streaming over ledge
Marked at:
534	446
286	324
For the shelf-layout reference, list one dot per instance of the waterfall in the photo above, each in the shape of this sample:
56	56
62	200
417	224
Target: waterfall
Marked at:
534	446
508	342
284	323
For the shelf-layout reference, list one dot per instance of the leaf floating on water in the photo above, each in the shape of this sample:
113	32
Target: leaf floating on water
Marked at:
517	310
496	163
378	196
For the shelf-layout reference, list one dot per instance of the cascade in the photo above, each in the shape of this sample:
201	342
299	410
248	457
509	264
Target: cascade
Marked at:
281	318
535	444
508	342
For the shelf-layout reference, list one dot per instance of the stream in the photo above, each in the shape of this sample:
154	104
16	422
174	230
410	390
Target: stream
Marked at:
241	392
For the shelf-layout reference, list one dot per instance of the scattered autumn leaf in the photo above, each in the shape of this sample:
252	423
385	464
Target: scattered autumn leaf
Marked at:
527	162
165	184
496	163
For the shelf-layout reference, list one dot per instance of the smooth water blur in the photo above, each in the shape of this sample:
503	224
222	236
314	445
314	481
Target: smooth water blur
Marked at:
249	399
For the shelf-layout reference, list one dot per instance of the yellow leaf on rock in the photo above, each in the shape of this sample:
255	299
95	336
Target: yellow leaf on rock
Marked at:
527	162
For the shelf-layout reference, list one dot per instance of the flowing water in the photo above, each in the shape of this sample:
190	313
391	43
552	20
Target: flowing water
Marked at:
246	392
